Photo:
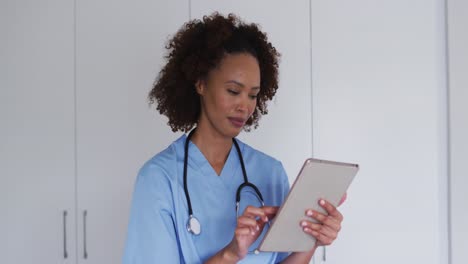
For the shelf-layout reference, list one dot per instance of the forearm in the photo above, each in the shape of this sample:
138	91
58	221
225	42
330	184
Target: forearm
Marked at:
300	257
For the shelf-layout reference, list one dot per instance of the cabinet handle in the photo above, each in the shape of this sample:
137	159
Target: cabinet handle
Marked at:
65	253
85	251
324	255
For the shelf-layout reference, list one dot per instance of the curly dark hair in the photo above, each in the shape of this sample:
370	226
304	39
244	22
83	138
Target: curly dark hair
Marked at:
197	48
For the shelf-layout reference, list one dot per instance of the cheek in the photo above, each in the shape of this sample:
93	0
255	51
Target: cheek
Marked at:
252	106
214	103
222	103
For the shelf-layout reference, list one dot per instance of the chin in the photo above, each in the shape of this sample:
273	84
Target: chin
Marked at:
234	132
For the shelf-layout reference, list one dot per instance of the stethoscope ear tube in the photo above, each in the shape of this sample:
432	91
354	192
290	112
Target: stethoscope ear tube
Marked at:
248	184
187	196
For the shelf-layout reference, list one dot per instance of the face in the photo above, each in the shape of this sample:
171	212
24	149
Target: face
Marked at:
229	94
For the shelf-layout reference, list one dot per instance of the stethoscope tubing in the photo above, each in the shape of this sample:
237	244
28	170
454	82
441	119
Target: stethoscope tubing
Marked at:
246	183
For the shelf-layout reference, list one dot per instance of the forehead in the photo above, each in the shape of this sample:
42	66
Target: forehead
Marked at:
241	67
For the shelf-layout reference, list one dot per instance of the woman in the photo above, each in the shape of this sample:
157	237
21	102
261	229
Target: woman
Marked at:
219	76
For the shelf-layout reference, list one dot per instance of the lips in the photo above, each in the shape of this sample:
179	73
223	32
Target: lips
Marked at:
237	122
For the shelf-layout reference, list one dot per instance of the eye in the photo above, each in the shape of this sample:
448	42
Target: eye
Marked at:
233	92
253	97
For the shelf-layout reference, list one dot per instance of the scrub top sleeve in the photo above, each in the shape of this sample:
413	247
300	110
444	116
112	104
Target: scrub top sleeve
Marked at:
285	181
151	236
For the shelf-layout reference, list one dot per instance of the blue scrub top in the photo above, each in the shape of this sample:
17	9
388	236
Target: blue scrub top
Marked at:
157	230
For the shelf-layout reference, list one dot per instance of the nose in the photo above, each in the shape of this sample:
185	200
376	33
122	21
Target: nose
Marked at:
244	104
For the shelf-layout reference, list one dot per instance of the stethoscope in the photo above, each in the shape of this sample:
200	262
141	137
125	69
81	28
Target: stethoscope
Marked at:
193	225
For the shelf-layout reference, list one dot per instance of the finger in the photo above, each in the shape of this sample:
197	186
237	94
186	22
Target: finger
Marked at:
255	226
243	231
263	213
322	229
252	211
321	238
270	209
270	212
326	220
248	222
331	210
323	234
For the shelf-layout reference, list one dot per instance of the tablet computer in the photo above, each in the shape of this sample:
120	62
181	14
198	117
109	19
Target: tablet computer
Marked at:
317	179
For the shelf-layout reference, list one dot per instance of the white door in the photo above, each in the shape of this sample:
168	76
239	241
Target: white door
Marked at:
379	100
119	53
37	169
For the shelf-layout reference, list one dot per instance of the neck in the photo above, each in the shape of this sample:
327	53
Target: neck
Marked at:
213	146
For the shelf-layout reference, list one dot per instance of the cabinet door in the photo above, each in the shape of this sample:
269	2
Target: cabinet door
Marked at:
379	100
37	168
119	53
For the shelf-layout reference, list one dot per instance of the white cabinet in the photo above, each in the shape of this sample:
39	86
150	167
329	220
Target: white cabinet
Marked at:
119	51
75	123
379	100
37	154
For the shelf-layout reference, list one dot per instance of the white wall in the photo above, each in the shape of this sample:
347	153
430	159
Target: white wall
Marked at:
458	91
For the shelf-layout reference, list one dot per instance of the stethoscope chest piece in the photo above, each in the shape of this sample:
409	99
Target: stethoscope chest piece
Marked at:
193	225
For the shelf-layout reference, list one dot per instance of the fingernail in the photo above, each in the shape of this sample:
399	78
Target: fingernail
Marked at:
258	228
310	213
322	202
303	223
266	219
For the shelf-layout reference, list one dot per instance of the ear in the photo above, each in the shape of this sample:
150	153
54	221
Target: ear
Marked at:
200	87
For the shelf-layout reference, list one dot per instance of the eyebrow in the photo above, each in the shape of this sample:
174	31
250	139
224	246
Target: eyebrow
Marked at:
242	85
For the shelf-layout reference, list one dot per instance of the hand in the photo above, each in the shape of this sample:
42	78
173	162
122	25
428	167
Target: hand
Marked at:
249	226
327	227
